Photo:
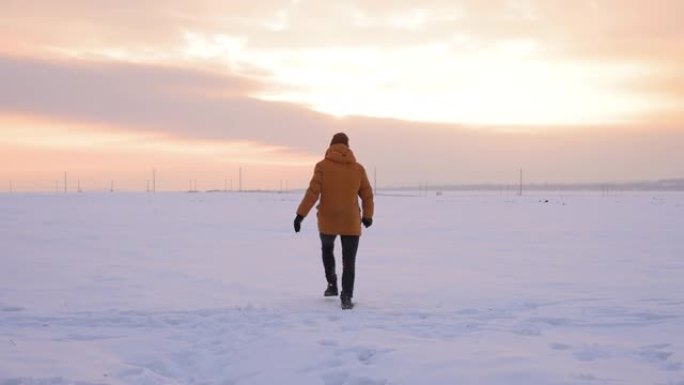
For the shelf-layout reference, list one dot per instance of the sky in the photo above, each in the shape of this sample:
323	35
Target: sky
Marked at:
222	94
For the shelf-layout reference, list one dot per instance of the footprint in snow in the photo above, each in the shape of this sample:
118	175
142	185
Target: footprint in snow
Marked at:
328	343
560	346
11	309
344	378
659	355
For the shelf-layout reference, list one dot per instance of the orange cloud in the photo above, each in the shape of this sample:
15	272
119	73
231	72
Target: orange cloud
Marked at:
327	54
181	102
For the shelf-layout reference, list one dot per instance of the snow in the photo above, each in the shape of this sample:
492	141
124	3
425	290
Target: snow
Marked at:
460	288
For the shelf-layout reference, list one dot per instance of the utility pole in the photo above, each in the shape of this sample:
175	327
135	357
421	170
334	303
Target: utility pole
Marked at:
193	185
154	180
65	181
375	179
11	190
520	187
111	186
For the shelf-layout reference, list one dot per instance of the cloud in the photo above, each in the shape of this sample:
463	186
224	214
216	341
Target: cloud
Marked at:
178	101
412	153
282	42
197	105
313	24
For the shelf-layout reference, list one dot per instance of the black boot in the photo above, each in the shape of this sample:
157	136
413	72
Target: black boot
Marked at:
331	290
346	302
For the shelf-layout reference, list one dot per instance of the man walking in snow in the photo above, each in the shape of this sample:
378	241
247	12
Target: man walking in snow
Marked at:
339	181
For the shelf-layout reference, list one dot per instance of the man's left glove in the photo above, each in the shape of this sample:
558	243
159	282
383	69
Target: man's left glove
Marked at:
298	223
367	222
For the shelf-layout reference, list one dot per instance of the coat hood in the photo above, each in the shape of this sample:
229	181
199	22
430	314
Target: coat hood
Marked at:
340	153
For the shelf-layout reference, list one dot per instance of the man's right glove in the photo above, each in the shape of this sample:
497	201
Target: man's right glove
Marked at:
367	222
298	223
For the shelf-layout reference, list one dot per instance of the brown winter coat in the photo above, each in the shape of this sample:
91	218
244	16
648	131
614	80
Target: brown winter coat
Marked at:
339	181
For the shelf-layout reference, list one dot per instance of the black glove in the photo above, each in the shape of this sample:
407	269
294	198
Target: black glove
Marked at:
367	222
298	223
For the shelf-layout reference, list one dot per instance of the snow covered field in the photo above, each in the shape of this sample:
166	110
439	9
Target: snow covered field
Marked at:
463	288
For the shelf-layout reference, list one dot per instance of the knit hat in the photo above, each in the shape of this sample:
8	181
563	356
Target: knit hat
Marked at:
340	137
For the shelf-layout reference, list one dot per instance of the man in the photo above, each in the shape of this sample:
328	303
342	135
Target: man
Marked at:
339	181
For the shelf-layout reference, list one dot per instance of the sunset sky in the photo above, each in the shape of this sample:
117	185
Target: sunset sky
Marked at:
430	92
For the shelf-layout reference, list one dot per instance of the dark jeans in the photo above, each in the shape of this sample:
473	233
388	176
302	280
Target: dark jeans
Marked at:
350	244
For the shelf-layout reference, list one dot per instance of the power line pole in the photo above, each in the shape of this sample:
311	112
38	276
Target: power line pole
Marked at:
375	179
154	180
193	185
520	187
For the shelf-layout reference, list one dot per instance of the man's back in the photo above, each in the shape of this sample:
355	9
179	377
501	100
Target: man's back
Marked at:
339	180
